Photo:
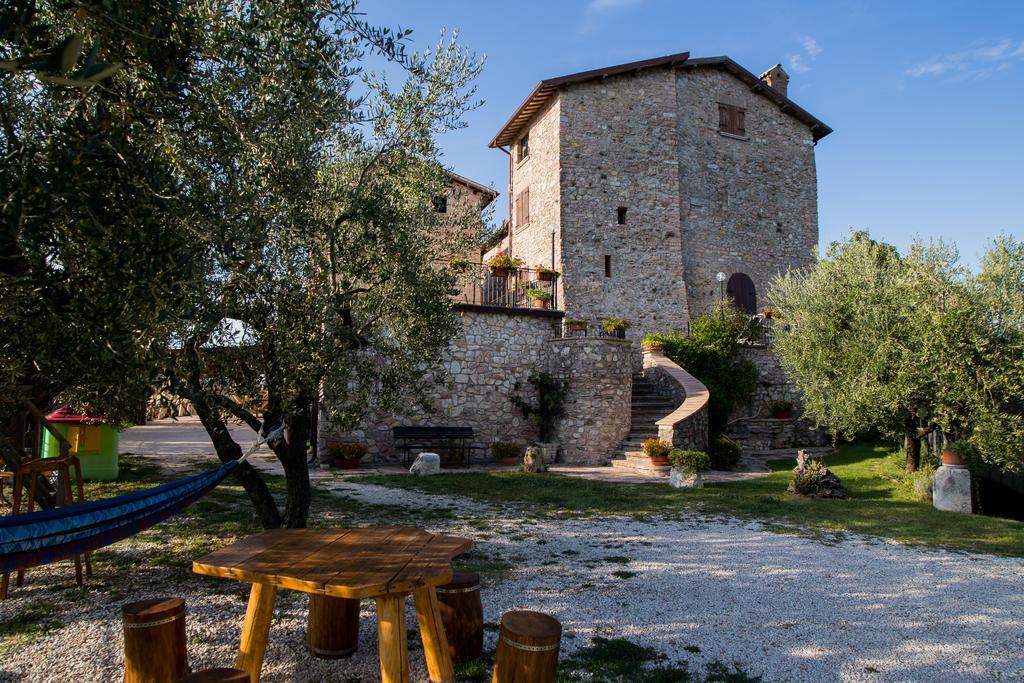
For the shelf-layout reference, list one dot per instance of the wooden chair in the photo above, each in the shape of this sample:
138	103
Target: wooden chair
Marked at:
332	629
154	641
462	613
28	474
218	675
528	645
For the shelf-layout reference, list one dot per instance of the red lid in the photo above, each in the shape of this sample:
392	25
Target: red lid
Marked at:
64	414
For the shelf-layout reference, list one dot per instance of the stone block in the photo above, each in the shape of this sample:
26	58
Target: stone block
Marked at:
680	479
951	489
426	464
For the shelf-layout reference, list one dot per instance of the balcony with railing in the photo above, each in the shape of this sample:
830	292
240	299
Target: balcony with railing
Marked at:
481	285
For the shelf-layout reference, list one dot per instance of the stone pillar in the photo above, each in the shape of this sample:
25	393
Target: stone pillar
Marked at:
951	489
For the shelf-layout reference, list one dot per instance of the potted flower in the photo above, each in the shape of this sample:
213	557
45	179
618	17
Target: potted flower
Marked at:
505	452
657	450
576	324
653	343
545	274
346	454
953	453
782	410
771	313
460	265
502	265
540	298
688	468
615	327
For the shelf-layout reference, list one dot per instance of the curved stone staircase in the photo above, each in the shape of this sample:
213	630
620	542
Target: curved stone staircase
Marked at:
648	407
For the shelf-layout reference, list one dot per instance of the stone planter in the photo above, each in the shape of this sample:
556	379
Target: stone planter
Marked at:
681	479
951	489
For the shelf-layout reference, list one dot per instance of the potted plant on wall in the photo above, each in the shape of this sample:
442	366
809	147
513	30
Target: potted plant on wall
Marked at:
346	454
545	274
615	327
503	265
782	410
545	411
576	324
505	452
653	343
460	265
539	298
688	468
657	450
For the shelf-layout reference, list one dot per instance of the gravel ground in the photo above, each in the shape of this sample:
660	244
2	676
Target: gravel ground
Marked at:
786	607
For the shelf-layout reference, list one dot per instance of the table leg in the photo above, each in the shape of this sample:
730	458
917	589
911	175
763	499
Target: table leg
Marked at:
256	629
435	642
392	639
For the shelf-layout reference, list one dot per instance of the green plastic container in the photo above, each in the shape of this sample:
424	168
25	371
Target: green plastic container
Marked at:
96	444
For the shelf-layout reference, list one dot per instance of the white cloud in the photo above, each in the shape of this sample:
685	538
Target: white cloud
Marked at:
598	8
980	60
800	62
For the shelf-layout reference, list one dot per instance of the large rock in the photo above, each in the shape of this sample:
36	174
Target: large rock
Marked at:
811	478
681	479
426	463
951	489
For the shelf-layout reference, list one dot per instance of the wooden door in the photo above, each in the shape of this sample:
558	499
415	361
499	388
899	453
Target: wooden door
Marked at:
741	290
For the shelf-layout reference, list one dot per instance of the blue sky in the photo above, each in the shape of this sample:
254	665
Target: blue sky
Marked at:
926	98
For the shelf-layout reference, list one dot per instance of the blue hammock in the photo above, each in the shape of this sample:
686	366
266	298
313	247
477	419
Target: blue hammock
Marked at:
35	538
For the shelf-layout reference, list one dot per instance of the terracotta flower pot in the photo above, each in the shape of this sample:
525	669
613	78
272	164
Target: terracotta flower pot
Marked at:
652	347
659	460
346	463
782	414
507	461
951	458
499	271
539	303
575	327
545	277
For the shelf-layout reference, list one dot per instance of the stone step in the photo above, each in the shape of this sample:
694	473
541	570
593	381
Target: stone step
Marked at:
640	402
636	465
650	415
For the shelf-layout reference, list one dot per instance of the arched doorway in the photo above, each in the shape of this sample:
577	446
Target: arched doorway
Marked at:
741	290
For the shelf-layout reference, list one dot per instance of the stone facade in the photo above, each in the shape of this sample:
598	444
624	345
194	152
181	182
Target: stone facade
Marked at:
460	225
496	350
697	201
749	205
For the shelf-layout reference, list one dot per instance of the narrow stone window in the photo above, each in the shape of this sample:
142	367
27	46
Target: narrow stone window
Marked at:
524	147
441	204
621	211
607	265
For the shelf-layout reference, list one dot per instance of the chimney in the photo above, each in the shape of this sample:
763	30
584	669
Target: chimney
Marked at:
777	79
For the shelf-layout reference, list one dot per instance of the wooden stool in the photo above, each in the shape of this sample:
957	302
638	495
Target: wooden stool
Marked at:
29	473
332	630
154	641
218	675
527	648
463	615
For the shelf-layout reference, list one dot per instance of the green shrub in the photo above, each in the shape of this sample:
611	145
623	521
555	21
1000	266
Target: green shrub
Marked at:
615	325
504	449
538	294
806	482
724	453
692	462
710	353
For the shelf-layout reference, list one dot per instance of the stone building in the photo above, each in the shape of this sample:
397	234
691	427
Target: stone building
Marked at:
653	177
640	184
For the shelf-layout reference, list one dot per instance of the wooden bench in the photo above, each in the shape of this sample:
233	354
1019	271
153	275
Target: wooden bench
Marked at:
458	439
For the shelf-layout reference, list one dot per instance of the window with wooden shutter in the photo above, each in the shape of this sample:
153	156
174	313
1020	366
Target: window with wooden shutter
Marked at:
523	207
731	120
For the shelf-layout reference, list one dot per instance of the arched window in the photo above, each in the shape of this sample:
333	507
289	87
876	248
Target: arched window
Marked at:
741	290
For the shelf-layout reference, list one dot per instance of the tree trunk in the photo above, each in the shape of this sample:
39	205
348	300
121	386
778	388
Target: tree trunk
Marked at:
227	449
296	469
912	444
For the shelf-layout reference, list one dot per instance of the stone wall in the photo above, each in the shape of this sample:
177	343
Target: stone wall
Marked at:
496	349
751	424
618	149
597	416
748	205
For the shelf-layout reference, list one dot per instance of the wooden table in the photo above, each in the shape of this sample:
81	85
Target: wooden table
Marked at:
384	563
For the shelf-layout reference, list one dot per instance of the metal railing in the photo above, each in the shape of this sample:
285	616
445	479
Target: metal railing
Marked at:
760	331
481	285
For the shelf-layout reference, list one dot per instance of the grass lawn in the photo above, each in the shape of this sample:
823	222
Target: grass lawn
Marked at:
881	502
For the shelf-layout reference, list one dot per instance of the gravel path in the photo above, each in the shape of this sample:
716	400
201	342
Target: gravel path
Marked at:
785	607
